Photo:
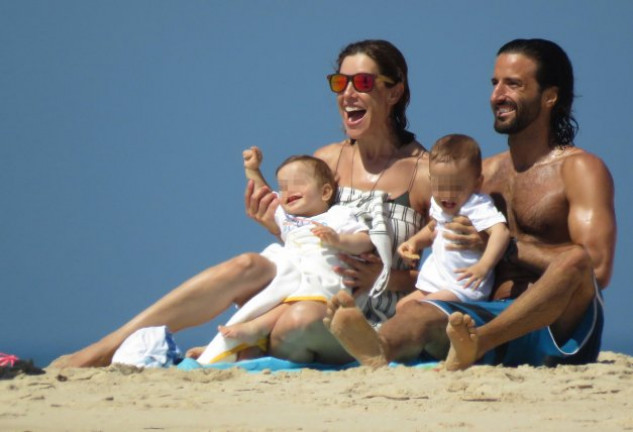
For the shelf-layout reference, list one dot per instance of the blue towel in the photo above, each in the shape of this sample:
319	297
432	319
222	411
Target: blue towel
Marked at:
279	365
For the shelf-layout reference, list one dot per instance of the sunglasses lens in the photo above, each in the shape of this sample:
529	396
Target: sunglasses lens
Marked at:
363	82
338	82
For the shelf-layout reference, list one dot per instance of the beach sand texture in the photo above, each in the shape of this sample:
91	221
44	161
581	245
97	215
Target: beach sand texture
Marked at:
596	397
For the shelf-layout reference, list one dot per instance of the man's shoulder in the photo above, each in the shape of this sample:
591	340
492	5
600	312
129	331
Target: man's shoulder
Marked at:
577	159
496	158
492	164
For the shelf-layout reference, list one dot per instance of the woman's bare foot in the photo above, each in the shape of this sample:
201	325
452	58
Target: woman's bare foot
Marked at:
246	332
91	356
462	333
349	326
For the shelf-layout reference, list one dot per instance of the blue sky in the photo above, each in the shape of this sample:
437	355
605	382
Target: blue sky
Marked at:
122	125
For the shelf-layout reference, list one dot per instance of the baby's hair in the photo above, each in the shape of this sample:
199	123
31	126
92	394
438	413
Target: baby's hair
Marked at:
456	147
321	171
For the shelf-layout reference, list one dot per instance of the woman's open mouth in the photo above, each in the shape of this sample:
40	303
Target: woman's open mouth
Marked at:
354	114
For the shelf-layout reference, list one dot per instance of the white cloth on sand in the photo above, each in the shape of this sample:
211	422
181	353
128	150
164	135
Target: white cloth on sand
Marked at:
150	347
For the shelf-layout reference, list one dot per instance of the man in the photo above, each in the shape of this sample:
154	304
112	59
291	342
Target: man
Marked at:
558	200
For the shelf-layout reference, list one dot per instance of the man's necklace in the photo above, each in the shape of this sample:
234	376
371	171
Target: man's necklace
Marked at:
379	175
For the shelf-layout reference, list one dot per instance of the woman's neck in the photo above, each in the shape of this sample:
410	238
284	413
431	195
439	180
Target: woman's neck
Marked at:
378	147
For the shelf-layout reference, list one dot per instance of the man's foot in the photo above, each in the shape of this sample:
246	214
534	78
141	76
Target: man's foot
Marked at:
348	325
462	333
245	332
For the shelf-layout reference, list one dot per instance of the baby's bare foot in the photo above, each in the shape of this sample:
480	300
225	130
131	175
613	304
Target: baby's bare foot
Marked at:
245	332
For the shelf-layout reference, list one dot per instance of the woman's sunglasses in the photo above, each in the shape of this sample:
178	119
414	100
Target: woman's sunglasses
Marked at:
362	82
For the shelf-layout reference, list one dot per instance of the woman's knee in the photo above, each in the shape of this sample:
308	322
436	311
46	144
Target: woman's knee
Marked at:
300	317
247	274
251	264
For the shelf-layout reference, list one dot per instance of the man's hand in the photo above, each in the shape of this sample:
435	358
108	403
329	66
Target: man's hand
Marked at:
462	235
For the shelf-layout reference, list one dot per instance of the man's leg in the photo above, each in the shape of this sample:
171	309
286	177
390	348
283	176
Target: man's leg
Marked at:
415	328
558	299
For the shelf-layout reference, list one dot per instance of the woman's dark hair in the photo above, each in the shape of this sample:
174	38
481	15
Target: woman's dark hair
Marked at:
554	69
392	64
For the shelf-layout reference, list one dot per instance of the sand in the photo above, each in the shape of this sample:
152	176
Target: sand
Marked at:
596	397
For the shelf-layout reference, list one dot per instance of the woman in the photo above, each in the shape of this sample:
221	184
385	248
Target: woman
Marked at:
379	155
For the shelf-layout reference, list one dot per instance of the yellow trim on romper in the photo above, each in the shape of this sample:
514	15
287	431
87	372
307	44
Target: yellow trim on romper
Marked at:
261	344
305	298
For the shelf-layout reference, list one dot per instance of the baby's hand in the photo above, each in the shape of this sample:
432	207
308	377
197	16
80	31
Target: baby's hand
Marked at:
326	234
408	253
252	158
474	275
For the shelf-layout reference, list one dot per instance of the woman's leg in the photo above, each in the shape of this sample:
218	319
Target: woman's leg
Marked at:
196	301
299	335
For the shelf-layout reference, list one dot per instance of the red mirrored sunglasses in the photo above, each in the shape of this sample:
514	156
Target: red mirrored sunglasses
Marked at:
362	82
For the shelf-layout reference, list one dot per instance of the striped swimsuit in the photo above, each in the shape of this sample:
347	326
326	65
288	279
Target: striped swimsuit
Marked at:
404	222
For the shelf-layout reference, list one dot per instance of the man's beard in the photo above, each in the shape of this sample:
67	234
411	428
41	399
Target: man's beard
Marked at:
525	115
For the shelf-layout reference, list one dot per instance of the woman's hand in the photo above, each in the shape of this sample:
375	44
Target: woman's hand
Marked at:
361	273
462	235
261	205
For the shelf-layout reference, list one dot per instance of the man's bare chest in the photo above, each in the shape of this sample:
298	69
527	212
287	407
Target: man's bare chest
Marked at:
536	204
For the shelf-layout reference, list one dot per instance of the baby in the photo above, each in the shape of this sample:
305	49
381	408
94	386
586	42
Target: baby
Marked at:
456	275
314	233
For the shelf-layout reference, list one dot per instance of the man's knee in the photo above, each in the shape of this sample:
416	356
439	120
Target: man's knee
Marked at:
575	261
401	304
415	327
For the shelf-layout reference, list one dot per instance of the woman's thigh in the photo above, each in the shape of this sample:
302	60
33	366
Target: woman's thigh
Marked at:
299	335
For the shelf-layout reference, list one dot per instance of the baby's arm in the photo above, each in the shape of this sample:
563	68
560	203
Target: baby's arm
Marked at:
496	247
252	160
353	244
410	249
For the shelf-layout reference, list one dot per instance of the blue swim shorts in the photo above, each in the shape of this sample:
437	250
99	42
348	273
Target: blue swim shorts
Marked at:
537	348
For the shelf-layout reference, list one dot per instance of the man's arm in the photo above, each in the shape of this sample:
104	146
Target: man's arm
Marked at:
592	222
591	219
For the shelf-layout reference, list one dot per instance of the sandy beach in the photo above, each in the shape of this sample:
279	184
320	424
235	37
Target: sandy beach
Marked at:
596	397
